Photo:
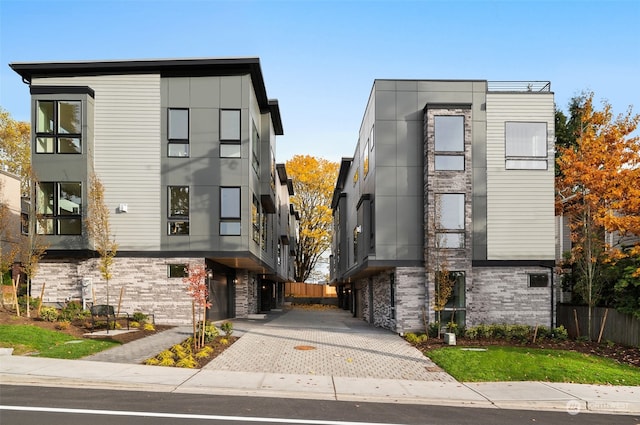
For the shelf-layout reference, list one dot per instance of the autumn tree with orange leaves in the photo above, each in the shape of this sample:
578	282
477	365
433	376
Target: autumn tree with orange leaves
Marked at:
598	189
15	148
197	288
313	183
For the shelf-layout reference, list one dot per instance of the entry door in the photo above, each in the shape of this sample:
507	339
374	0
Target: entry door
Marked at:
266	294
218	297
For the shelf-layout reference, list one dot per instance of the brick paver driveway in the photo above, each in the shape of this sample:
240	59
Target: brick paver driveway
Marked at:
326	343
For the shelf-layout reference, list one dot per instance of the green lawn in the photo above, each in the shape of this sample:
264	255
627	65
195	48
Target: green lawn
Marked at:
26	339
531	364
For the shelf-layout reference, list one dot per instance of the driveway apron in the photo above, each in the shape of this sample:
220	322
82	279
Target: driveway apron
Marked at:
324	343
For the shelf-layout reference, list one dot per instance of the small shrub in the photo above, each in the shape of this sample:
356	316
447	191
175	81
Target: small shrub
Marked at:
49	314
167	361
543	333
187	363
73	310
434	329
560	333
413	338
63	325
149	327
153	361
165	354
204	352
224	341
140	317
134	324
519	333
210	331
227	328
33	302
180	351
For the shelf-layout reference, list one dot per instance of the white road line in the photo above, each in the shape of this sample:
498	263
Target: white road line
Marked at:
184	416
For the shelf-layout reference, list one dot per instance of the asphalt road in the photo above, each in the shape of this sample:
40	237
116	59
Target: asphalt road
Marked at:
65	406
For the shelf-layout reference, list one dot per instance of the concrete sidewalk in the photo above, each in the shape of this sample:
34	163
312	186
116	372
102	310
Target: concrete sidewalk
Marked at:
573	398
344	359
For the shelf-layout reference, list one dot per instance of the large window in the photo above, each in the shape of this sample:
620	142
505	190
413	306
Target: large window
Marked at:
449	142
455	309
230	211
178	213
526	145
450	220
59	126
59	208
178	132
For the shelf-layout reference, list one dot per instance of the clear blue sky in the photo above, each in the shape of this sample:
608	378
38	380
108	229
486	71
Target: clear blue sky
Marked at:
319	58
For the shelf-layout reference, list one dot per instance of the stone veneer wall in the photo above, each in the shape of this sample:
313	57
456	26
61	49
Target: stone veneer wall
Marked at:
410	299
253	298
242	294
382	309
503	295
146	286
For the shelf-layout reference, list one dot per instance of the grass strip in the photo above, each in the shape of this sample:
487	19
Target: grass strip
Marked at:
33	340
499	363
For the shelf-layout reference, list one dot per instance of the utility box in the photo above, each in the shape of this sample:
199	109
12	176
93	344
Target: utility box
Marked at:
450	339
87	291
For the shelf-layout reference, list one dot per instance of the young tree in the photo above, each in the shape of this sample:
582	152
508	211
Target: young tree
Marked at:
15	148
438	267
198	289
597	187
33	247
99	228
313	183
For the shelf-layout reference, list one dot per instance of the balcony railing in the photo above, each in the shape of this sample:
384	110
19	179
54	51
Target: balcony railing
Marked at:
519	86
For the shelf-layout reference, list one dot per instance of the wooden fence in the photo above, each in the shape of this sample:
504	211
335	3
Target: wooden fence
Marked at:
309	290
620	328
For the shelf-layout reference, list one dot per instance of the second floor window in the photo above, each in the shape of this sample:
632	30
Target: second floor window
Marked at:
450	220
59	208
178	132
449	142
178	214
59	126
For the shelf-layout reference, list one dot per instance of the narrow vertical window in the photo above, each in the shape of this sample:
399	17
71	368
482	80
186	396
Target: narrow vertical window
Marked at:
450	220
255	220
230	211
178	132
178	203
255	149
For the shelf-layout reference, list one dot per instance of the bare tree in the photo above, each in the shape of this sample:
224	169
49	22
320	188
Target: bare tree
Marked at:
99	229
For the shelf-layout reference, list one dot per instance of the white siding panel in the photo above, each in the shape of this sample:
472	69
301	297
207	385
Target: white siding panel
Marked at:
127	152
520	203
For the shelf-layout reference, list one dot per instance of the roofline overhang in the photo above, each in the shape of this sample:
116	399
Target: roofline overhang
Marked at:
199	67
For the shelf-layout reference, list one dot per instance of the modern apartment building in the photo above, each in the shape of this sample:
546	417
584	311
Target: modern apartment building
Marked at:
453	176
185	149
